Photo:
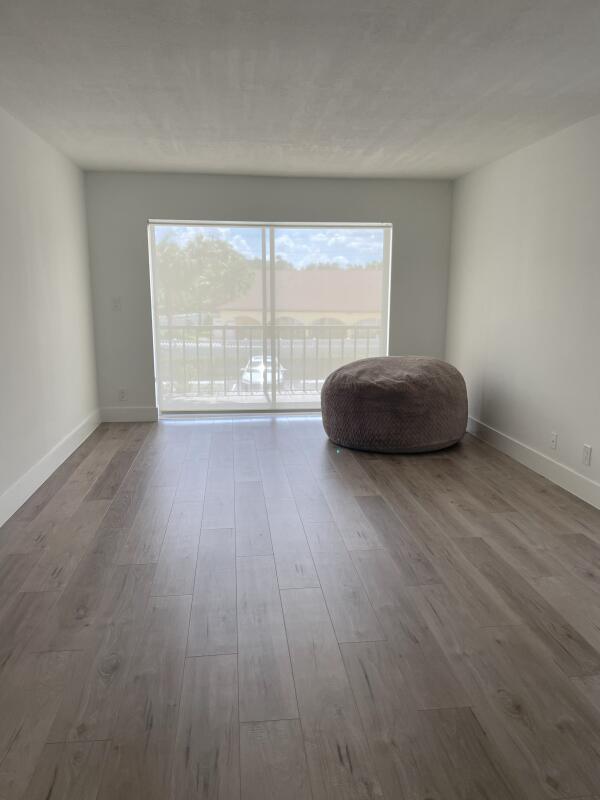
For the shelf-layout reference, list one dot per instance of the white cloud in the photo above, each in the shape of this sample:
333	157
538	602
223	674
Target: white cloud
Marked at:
284	240
242	246
299	246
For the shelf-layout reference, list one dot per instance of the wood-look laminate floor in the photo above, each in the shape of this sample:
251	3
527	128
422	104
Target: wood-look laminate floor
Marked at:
235	608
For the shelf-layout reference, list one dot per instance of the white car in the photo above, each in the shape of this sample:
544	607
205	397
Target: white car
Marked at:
253	374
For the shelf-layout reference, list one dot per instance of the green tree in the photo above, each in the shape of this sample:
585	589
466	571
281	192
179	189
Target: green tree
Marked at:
199	275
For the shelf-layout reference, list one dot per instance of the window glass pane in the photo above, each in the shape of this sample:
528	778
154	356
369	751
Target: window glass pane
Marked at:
256	316
330	303
208	315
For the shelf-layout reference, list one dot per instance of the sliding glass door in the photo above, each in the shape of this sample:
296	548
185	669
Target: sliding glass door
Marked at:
255	316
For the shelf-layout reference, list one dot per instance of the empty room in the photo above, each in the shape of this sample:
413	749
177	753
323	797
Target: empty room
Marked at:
299	400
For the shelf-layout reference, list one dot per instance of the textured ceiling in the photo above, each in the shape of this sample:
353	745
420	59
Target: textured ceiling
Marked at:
298	87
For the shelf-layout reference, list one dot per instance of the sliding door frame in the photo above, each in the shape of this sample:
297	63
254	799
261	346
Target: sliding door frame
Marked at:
269	334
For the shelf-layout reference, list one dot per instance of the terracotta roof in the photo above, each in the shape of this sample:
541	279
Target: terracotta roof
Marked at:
316	290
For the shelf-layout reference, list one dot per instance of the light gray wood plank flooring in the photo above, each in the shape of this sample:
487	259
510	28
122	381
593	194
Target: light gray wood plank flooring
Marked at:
234	608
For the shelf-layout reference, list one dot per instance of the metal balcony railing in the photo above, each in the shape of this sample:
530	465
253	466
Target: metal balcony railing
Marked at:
213	362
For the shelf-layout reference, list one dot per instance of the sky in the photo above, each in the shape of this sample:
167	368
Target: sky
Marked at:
299	246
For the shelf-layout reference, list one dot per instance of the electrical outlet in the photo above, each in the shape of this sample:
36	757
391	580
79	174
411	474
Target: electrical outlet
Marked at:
122	395
587	454
116	303
554	440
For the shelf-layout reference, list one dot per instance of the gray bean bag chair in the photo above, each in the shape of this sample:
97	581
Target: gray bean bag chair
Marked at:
395	404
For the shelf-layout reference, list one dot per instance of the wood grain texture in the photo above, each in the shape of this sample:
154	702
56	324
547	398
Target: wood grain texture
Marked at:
355	529
337	752
176	566
22	615
143	541
265	675
14	570
17	537
235	608
71	623
576	602
421	659
349	607
589	686
324	537
206	761
109	481
140	760
348	466
192	480
67	500
91	705
562	735
219	497
526	547
29	698
273	762
68	771
293	559
253	536
64	548
437	753
485	605
543	726
245	461
213	625
32	507
273	475
580	555
569	649
409	557
310	500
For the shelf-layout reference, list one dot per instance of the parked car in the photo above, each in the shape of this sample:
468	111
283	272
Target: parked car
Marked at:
253	374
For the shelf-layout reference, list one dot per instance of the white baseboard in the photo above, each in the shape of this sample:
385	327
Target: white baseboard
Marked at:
129	414
558	473
14	497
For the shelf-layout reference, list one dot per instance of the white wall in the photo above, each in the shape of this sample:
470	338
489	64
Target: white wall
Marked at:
120	204
524	302
48	397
